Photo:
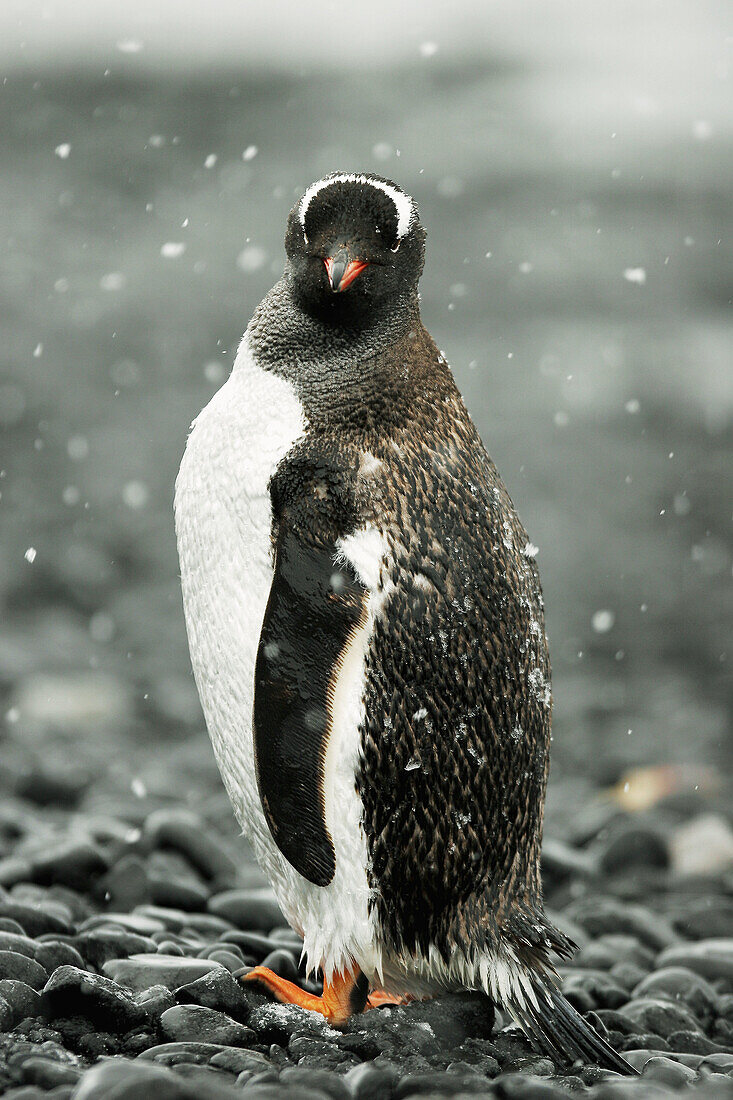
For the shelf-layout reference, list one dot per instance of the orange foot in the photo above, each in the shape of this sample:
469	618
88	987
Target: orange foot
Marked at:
378	997
342	997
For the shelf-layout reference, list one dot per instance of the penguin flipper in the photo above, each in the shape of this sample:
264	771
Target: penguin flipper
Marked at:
314	610
562	1033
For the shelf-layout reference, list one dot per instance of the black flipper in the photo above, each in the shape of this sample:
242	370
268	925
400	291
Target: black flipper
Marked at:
315	606
562	1033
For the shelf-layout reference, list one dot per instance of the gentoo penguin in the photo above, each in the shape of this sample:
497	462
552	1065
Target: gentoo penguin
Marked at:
366	630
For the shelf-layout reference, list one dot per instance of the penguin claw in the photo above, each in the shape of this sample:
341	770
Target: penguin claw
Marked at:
343	996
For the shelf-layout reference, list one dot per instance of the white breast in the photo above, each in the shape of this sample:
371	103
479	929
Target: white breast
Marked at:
223	526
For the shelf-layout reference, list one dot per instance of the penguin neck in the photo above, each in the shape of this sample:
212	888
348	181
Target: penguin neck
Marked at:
286	338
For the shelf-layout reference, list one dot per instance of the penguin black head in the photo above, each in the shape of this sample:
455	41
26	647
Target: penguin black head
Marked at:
355	247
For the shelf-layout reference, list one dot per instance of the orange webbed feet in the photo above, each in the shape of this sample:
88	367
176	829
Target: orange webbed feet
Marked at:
378	997
343	996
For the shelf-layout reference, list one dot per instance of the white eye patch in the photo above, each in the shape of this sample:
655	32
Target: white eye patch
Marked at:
404	205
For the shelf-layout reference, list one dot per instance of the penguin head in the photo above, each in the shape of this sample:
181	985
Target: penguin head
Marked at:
355	247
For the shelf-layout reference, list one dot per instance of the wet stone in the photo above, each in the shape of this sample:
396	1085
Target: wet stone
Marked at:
47	1073
680	984
631	846
131	1081
177	893
254	909
668	1072
33	920
100	945
22	969
710	959
317	1080
23	999
22	945
195	1023
588	989
240	1060
187	833
132	922
661	1017
230	961
54	953
73	992
606	915
141	971
371	1082
609	949
711	919
283	963
155	1001
217	989
72	863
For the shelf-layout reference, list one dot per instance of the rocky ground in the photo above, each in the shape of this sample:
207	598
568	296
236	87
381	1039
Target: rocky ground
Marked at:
124	924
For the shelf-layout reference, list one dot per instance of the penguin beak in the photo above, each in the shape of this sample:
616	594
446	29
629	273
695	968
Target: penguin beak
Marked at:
342	270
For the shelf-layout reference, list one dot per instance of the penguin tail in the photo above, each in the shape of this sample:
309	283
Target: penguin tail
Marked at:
560	1032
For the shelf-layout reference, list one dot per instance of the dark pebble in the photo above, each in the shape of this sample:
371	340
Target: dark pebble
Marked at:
8	925
71	863
73	992
22	969
217	989
680	984
630	845
23	999
248	908
132	1081
587	989
195	1023
711	959
710	919
34	921
155	1000
692	1042
661	1017
185	831
177	893
102	944
668	1072
609	949
228	959
627	974
254	943
240	1060
7	1016
601	915
54	953
283	963
132	922
141	971
520	1086
47	1074
126	883
22	945
371	1082
317	1080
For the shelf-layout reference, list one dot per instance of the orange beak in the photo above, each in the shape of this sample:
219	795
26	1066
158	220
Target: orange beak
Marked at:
342	270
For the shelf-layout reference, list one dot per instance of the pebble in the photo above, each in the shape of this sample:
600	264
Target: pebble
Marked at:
680	984
102	944
628	846
668	1072
139	972
125	1080
23	999
254	909
709	919
660	1017
711	959
22	969
73	992
71	863
183	830
195	1023
219	990
132	922
599	915
47	1073
33	920
54	953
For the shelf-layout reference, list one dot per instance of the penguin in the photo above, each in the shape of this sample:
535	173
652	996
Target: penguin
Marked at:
366	630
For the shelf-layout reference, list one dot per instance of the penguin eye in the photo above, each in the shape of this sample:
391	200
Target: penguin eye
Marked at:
396	246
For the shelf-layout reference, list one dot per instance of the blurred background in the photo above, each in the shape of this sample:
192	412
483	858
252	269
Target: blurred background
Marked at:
572	163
